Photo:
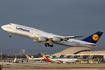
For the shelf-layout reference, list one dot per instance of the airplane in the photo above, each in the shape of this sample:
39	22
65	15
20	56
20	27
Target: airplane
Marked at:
51	56
61	60
49	39
16	60
35	59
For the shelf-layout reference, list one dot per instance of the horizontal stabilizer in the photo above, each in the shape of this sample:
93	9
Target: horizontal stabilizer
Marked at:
93	45
69	37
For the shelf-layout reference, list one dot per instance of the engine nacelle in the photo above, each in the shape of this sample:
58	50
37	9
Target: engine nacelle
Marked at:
64	61
42	39
57	39
36	41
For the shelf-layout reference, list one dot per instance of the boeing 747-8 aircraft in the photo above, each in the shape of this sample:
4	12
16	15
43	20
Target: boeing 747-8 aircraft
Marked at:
49	39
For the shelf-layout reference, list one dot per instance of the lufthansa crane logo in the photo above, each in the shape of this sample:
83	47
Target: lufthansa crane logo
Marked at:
95	37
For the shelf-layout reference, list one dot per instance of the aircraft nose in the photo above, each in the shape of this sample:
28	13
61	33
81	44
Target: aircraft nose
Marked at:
2	27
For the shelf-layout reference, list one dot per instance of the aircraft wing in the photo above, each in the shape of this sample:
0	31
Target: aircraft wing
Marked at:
93	45
51	39
69	37
55	38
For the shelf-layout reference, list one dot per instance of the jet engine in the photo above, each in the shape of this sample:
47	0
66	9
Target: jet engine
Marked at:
41	39
64	61
36	41
57	39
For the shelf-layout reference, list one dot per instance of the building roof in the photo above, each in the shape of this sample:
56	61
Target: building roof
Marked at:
72	50
92	53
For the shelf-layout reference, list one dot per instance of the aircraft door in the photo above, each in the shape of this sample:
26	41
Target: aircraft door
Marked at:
31	34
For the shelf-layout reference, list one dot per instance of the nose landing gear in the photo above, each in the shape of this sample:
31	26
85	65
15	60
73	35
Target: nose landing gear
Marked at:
9	35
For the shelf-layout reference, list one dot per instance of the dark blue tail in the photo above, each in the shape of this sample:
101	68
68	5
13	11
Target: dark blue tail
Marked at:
94	37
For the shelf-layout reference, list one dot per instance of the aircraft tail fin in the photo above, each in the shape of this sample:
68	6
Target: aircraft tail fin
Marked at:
46	58
94	37
51	56
28	57
32	57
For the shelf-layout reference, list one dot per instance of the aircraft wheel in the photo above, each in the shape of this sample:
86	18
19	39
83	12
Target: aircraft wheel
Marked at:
51	45
48	44
10	36
45	45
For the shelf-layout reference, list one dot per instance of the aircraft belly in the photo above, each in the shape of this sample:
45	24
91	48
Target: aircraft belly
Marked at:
70	44
66	44
20	34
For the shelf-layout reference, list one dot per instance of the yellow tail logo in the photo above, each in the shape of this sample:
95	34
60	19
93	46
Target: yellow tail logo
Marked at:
95	37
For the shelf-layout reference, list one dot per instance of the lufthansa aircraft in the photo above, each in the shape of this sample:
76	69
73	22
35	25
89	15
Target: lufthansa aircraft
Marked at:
49	39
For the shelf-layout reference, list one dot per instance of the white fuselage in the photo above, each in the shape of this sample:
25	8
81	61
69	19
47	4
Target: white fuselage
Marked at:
65	60
37	58
35	33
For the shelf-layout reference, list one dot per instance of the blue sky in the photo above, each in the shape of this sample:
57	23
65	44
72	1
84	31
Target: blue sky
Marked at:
62	17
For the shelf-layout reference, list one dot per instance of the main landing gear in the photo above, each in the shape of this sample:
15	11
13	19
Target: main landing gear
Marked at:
48	44
9	35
